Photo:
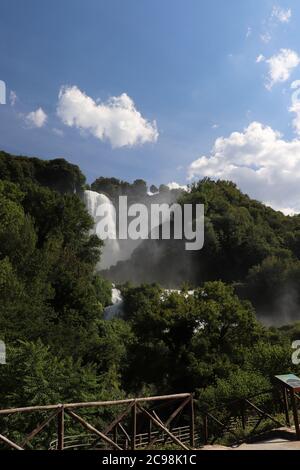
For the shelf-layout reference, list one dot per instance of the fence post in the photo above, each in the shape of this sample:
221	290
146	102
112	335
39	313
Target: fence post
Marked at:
150	431
61	429
243	409
295	413
192	422
286	406
115	432
205	428
133	426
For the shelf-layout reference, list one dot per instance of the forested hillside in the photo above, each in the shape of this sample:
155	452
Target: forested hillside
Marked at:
246	243
59	348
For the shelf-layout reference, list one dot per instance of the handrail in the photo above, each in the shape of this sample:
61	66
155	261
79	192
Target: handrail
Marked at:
109	435
29	409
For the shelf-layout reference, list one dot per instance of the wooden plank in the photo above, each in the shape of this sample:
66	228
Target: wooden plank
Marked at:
295	413
91	428
61	429
205	429
39	428
226	427
114	423
124	432
260	411
257	424
166	430
223	426
286	406
10	443
123	402
133	426
192	422
29	409
118	418
243	415
170	419
157	417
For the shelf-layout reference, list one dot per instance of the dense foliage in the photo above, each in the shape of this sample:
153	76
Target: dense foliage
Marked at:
59	347
246	243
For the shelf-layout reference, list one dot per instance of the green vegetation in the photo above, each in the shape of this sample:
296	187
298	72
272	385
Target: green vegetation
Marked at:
247	244
59	347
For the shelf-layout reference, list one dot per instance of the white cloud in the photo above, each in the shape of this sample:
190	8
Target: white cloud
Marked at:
117	120
281	15
295	107
13	98
174	185
281	66
260	58
249	32
260	162
36	118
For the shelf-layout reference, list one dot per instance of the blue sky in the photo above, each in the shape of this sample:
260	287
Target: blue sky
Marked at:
189	65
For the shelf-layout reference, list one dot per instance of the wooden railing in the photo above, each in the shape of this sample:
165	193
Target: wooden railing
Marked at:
242	418
144	422
136	412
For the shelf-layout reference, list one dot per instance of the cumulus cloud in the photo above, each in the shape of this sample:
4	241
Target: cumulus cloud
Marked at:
36	118
281	15
260	162
116	120
281	66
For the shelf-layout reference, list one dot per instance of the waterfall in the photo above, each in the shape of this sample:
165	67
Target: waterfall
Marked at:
111	249
116	309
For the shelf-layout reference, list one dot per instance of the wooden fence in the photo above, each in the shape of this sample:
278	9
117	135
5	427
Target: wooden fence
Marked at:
116	435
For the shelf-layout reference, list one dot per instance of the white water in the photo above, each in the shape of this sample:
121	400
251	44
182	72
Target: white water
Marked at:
111	249
116	309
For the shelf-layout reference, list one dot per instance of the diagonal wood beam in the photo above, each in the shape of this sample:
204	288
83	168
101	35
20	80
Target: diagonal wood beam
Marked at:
10	443
125	432
91	428
264	413
226	427
170	419
118	419
159	425
39	428
114	422
223	426
260	419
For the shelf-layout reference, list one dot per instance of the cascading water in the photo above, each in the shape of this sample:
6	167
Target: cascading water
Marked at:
111	249
116	309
